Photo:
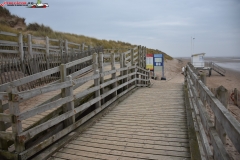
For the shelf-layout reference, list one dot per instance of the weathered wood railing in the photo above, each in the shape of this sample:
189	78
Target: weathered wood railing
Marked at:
211	132
26	55
71	115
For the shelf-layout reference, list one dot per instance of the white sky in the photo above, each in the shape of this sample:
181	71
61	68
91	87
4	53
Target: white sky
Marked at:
167	25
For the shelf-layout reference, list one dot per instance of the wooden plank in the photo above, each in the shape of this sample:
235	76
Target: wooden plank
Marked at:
8	155
30	78
8	34
40	46
54	40
38	91
78	61
45	107
38	38
142	69
127	52
8	51
76	44
53	47
85	79
85	105
4	96
6	135
218	147
133	149
38	129
5	117
83	70
3	42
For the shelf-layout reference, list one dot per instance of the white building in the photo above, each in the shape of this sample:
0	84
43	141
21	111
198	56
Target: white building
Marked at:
197	60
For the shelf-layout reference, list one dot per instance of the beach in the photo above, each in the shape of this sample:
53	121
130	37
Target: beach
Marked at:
231	80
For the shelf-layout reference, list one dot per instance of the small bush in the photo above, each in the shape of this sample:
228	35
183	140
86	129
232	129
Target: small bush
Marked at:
4	12
39	28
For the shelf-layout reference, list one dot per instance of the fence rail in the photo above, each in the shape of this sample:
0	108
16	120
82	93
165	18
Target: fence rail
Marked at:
70	114
212	131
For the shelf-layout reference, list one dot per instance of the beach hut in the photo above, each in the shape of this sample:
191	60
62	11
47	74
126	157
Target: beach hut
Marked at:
197	60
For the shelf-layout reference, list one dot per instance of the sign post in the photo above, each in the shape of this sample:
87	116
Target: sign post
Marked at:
155	62
158	63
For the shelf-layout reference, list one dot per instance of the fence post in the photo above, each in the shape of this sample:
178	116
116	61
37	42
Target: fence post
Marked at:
30	45
69	92
132	64
222	96
101	70
139	55
97	80
236	97
144	57
114	74
20	45
16	123
61	50
21	53
121	63
65	92
125	72
132	58
203	78
47	52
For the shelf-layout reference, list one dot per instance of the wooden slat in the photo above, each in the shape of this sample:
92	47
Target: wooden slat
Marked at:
3	42
8	34
89	103
85	79
54	40
4	96
8	51
38	129
74	43
75	74
38	91
129	51
78	61
5	117
38	38
45	107
6	135
38	46
30	78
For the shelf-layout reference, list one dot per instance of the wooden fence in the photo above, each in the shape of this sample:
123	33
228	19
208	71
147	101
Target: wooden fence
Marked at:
102	93
212	121
31	55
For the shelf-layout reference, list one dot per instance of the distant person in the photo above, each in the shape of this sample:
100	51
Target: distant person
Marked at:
183	69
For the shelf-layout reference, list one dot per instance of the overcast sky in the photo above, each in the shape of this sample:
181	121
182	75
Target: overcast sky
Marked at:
167	25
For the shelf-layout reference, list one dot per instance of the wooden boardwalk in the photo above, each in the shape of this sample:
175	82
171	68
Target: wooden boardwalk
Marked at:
149	124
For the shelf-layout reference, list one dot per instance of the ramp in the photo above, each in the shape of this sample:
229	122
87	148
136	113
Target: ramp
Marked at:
217	68
149	124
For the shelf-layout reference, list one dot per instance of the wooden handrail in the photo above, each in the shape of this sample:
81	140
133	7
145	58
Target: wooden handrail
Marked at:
201	95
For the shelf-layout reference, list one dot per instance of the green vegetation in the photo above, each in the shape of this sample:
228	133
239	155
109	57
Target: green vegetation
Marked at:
15	24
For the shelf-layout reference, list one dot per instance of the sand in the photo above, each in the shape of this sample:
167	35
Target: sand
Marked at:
231	80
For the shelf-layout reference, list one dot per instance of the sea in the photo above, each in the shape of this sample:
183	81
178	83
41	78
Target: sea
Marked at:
232	63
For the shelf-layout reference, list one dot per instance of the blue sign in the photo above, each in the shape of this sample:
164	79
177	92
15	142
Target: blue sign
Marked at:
158	60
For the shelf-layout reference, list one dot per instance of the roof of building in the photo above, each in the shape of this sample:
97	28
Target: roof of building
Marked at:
198	54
